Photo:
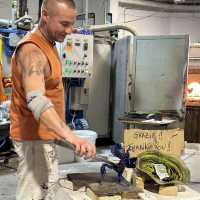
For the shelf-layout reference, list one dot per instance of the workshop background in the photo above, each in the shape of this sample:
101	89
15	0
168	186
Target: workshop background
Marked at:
138	84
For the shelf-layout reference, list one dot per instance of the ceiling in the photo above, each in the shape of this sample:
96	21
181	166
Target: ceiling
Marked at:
181	2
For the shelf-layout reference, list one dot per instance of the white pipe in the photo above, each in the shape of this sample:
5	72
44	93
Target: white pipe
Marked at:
108	27
5	22
14	12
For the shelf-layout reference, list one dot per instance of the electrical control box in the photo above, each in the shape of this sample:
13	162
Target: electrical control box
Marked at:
77	56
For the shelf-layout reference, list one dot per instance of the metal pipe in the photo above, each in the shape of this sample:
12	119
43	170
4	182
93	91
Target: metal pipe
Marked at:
109	27
23	8
14	12
5	22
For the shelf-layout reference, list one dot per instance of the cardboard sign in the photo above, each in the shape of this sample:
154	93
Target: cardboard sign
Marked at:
166	141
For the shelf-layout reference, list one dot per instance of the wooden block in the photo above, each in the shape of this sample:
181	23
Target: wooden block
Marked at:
128	174
130	195
139	181
71	186
168	190
94	196
66	184
103	188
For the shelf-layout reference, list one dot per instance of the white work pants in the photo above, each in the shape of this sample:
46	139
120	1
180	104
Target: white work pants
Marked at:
37	174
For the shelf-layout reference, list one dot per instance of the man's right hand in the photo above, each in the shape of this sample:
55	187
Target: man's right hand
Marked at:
83	147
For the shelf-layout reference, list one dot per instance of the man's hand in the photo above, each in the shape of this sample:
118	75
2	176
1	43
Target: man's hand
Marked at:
84	148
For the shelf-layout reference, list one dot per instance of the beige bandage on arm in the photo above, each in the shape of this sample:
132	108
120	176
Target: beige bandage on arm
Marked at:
38	103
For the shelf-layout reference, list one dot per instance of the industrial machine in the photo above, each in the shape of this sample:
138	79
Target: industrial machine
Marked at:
151	75
77	61
118	81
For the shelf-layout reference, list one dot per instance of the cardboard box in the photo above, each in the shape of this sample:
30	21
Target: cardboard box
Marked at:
167	141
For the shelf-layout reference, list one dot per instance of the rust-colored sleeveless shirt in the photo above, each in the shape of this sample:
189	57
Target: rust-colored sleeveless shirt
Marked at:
23	125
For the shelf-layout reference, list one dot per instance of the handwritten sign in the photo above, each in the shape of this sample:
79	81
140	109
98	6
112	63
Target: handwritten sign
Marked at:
166	141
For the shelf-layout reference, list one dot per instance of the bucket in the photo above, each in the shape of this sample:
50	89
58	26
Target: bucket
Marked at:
89	135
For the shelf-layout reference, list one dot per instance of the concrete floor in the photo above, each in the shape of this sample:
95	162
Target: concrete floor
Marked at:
8	179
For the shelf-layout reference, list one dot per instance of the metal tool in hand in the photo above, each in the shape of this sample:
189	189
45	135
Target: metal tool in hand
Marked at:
117	150
125	161
65	143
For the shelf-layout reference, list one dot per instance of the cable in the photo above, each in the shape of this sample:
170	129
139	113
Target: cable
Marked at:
73	123
140	18
153	15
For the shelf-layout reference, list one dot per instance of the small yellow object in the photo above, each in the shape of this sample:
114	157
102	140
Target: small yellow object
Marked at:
1	49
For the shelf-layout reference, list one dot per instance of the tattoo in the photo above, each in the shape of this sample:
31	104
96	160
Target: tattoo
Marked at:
34	69
31	99
51	129
44	186
62	124
34	64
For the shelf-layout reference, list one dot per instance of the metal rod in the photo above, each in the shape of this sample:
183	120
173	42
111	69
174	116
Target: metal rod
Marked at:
86	13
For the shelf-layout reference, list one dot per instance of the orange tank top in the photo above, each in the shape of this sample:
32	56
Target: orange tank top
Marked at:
23	125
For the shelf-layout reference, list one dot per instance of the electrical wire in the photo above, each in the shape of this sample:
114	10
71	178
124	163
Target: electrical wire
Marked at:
73	124
195	18
140	18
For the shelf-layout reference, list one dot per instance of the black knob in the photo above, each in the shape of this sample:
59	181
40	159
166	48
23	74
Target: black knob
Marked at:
64	55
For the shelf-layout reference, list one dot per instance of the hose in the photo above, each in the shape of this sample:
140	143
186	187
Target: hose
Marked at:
175	167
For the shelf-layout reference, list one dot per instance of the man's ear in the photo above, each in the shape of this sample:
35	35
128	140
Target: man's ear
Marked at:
44	15
75	30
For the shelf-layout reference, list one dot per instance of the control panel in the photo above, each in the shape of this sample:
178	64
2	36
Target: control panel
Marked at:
77	56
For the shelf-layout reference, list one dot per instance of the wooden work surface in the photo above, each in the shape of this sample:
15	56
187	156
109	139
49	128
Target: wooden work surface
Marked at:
108	186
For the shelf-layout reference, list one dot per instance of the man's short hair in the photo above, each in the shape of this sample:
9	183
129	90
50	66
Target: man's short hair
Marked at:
70	3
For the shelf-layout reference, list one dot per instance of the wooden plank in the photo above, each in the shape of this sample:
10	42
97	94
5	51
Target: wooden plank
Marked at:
107	188
91	194
168	190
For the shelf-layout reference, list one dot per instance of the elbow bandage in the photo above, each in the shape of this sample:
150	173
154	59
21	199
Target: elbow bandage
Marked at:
38	103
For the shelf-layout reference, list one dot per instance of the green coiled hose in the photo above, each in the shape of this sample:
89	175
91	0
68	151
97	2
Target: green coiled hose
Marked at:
176	168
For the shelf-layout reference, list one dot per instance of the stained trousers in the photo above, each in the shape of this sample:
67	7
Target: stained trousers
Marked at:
37	174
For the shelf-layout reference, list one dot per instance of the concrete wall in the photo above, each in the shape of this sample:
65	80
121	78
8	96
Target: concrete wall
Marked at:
33	9
6	9
99	7
186	24
157	23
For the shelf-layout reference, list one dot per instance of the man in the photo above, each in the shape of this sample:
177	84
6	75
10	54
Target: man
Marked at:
37	105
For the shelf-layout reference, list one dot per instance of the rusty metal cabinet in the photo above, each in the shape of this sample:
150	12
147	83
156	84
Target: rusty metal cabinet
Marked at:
192	124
